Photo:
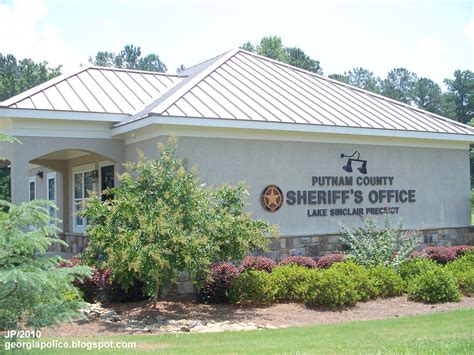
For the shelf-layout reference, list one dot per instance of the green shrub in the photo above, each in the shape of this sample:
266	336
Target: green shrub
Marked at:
331	288
163	219
291	282
463	270
434	286
386	281
72	295
252	287
365	287
371	245
412	268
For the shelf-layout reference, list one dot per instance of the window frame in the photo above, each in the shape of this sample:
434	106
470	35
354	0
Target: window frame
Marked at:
50	176
80	170
32	179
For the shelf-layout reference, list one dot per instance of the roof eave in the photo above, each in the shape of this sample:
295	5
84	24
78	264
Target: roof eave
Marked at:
287	127
61	115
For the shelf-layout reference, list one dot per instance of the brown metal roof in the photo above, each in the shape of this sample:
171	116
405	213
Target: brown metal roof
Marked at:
236	85
241	85
96	89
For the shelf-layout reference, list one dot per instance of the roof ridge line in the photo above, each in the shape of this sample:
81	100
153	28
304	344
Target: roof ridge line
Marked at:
439	117
204	61
133	70
168	101
41	87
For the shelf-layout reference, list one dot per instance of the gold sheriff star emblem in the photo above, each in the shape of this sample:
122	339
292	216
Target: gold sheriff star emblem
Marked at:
272	198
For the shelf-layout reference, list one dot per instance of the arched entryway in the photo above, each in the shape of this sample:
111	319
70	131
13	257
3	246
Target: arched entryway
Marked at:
65	171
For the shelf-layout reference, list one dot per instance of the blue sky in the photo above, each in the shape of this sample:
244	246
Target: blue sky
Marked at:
431	38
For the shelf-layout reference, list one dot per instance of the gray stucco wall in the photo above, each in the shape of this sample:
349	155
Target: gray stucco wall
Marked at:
440	178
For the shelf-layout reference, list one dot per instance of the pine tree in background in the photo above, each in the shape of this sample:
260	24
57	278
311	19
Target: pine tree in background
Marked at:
18	75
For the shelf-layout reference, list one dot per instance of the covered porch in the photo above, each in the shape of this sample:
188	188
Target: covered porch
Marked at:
65	171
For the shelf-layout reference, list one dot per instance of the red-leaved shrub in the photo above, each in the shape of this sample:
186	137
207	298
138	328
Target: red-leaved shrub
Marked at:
326	261
216	287
305	261
100	286
92	286
257	263
441	255
460	250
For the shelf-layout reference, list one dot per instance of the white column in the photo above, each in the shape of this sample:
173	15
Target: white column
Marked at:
19	181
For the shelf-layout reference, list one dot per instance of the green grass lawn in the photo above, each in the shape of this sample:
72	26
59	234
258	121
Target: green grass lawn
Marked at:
440	333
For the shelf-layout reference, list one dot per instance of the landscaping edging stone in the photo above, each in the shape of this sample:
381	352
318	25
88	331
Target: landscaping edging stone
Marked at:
161	323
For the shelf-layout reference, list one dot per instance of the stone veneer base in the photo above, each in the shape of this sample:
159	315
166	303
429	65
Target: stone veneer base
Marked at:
316	245
323	244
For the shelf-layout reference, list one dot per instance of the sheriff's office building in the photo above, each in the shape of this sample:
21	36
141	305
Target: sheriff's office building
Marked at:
312	151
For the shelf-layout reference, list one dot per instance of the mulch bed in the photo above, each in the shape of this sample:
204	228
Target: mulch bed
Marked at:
280	315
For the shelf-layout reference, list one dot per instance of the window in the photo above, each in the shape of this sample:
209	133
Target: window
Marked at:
51	189
84	182
107	179
32	188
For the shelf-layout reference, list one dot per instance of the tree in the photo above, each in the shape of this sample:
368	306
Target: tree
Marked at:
32	287
400	85
427	95
248	46
162	219
298	58
17	76
340	77
272	47
129	58
361	78
151	63
180	69
461	95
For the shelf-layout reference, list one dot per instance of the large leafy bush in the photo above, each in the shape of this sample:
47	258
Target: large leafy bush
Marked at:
257	263
434	286
371	245
365	287
441	255
331	288
326	261
252	287
291	282
162	219
412	268
385	281
460	250
216	288
33	289
101	287
463	270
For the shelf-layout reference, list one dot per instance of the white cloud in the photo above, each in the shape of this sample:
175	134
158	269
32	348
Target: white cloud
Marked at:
431	44
469	29
25	33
